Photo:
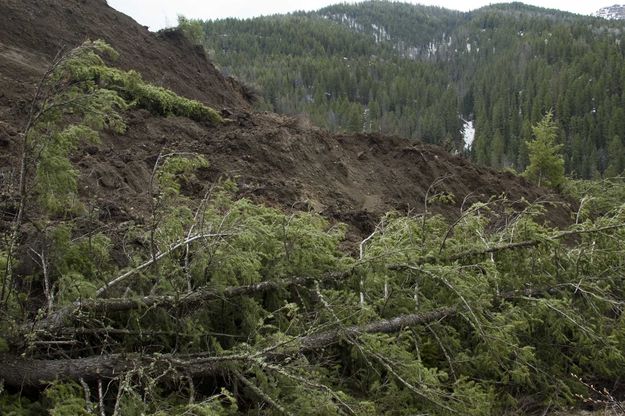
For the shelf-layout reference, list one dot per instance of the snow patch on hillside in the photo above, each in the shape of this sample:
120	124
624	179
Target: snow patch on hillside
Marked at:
615	12
468	133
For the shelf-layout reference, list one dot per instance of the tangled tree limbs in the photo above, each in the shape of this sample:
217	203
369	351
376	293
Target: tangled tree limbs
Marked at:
488	322
17	371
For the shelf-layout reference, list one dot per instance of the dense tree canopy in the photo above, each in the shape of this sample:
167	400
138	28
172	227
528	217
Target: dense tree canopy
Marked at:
419	71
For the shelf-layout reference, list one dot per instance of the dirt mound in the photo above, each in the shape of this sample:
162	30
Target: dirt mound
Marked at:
275	159
33	32
353	178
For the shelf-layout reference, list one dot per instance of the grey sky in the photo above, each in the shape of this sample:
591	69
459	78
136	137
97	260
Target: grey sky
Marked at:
162	13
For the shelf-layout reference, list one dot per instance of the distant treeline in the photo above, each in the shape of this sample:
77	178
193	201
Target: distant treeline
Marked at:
419	71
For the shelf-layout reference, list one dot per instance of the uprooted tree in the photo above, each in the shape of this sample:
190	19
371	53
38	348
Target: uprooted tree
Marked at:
223	306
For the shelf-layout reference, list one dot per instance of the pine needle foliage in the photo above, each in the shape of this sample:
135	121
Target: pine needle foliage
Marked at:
138	93
67	110
193	29
597	197
525	315
546	164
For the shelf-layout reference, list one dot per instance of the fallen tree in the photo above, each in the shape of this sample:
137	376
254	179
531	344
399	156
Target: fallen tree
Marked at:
56	320
20	372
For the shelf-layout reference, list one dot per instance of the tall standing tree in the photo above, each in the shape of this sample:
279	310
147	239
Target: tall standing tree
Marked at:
546	167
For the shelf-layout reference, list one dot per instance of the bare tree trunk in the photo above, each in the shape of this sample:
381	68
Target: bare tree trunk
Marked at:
18	371
499	248
384	326
58	319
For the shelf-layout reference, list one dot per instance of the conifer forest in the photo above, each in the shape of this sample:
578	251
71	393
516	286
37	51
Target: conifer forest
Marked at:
419	72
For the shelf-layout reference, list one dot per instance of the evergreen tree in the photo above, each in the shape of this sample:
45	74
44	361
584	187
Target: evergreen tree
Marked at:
546	165
616	155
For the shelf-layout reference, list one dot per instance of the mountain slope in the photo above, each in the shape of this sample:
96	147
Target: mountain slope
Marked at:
276	159
165	59
420	71
615	12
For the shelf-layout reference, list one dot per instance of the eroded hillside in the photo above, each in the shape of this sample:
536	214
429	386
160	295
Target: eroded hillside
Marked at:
280	160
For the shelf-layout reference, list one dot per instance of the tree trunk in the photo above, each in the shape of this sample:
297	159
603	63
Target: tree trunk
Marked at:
17	371
102	307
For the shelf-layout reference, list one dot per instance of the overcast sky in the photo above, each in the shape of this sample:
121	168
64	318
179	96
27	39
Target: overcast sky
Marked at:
158	14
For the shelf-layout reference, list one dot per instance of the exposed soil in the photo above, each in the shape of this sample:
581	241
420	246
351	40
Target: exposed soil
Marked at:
279	160
354	178
36	30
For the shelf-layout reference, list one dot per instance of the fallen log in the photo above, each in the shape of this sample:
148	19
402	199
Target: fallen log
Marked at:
19	371
58	319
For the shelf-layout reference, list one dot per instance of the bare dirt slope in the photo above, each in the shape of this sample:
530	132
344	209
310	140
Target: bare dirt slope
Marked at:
354	178
35	30
278	160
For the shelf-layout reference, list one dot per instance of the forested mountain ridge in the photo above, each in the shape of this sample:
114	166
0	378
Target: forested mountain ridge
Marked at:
420	71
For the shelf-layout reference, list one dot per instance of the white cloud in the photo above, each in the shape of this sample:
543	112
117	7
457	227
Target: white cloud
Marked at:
162	13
